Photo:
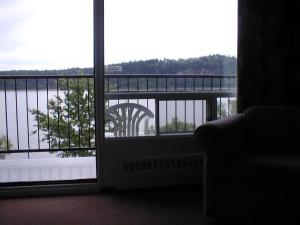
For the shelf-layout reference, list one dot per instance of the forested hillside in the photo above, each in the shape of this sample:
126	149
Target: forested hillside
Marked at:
207	65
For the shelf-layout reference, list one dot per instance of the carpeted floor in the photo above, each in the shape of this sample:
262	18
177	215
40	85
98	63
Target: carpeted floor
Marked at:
160	206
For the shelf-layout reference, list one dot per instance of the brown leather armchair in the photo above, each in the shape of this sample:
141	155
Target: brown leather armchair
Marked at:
253	166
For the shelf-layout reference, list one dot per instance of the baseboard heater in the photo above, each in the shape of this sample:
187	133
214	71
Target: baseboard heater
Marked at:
155	171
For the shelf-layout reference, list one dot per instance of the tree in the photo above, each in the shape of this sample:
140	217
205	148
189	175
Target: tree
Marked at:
177	126
71	119
148	130
4	146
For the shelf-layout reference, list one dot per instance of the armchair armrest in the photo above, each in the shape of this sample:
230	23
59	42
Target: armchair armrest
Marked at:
222	136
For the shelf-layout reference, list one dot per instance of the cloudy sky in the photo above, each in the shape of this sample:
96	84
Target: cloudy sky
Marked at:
56	34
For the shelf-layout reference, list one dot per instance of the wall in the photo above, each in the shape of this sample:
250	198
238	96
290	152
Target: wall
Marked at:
267	51
113	150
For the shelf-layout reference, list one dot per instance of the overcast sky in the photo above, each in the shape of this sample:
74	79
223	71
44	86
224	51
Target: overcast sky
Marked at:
57	34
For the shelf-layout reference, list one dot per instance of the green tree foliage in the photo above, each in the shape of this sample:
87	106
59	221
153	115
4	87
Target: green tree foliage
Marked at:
177	126
71	121
4	146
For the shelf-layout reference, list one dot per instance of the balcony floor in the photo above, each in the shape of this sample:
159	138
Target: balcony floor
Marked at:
48	169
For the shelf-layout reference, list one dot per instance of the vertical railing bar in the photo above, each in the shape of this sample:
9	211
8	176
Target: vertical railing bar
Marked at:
108	108
147	84
118	104
202	79
185	115
166	84
108	80
176	117
157	116
58	114
220	108
194	85
38	115
194	115
118	83
78	109
184	83
128	84
137	84
202	102
156	84
6	117
28	139
175	84
228	83
166	116
17	117
211	83
220	83
127	113
69	125
48	125
88	83
228	102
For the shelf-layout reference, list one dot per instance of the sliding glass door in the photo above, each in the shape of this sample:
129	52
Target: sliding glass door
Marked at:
47	97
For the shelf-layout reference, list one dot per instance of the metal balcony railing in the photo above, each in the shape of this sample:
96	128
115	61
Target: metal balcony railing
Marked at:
56	113
47	114
179	103
115	83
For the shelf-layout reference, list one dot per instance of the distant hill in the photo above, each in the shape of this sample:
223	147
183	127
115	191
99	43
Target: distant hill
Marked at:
71	71
207	65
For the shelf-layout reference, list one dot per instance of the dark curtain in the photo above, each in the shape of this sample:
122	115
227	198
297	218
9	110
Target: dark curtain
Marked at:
267	51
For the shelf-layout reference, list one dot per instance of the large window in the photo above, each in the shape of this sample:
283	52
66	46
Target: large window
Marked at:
170	65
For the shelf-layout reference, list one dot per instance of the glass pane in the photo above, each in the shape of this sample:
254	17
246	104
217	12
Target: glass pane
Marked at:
171	46
47	115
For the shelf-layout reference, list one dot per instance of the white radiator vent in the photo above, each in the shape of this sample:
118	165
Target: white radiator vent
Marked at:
159	171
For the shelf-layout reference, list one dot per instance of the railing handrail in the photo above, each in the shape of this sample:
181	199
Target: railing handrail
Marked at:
179	95
41	76
168	75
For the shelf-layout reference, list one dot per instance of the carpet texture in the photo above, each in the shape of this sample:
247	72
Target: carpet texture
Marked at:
165	206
